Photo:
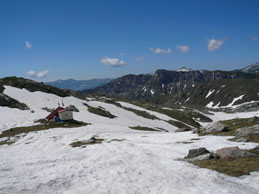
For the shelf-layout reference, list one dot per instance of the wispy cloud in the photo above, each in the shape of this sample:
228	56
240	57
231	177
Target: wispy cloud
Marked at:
183	48
255	38
214	44
113	62
40	74
31	73
161	51
140	58
28	45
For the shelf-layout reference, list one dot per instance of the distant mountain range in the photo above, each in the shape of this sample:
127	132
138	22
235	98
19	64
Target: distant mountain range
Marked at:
72	84
187	87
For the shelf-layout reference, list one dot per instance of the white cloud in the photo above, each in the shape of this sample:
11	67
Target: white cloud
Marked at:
40	74
140	58
183	48
43	73
161	51
31	73
113	62
214	44
28	45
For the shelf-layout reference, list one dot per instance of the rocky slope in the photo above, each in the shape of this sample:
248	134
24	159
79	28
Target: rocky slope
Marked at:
186	87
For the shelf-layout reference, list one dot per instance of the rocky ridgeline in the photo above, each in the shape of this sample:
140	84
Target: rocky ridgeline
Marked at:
189	88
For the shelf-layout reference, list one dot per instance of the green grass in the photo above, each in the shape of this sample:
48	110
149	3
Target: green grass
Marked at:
100	111
88	142
111	101
183	116
42	125
141	128
142	113
235	167
178	124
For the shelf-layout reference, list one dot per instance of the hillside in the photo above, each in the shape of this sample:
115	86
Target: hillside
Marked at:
139	145
185	87
72	84
30	85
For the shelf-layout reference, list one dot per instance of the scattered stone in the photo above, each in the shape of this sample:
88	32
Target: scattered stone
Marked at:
72	108
32	111
233	153
182	129
215	127
245	131
197	152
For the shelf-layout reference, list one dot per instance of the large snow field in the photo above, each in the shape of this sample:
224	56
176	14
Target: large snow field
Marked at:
144	162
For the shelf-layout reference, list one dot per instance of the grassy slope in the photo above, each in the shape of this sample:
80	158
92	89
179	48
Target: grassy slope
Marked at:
42	125
232	167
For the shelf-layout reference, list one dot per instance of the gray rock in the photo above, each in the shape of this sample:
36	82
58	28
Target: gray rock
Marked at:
182	129
197	152
245	131
216	126
242	139
207	156
72	108
233	152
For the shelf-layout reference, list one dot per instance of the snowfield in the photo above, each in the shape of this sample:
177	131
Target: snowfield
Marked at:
143	162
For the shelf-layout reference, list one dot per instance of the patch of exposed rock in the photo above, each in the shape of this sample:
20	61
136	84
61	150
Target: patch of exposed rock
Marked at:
214	127
198	154
233	152
245	131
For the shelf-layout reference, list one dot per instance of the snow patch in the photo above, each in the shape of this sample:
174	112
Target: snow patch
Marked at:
209	93
234	100
210	105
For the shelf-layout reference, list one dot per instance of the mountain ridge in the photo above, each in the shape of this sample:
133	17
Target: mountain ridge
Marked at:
75	85
187	87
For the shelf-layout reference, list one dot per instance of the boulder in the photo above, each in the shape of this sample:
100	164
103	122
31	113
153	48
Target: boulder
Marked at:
233	152
197	152
245	131
242	139
215	127
201	157
72	108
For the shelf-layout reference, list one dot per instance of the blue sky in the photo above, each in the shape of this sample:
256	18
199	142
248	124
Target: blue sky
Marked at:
50	39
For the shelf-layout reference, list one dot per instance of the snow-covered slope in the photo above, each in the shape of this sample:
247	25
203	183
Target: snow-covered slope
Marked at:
144	162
